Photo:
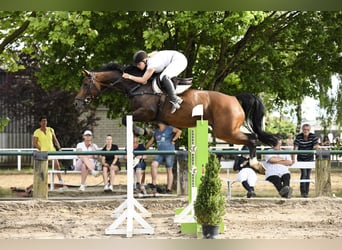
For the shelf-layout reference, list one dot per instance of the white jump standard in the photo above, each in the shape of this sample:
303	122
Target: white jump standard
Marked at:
126	211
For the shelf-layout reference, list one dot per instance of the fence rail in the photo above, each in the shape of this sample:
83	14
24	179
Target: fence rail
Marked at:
19	152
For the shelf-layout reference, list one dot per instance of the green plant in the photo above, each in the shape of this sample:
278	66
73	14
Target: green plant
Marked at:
3	123
210	203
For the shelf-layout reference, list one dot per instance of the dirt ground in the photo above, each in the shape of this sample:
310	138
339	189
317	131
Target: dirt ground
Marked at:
87	217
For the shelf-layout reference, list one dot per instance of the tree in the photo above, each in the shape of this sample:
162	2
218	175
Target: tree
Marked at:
25	98
285	54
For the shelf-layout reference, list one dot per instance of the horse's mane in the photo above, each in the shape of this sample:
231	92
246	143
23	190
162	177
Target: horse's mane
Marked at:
130	69
111	66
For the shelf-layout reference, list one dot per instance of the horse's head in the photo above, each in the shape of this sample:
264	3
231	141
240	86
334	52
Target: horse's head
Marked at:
93	83
110	77
89	90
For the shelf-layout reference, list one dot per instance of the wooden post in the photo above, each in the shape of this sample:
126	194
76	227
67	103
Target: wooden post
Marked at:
182	175
323	170
40	177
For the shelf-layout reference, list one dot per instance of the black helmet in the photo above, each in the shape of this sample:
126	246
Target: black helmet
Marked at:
139	57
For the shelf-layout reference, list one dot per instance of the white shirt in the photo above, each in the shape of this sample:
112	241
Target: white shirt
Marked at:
161	60
276	169
83	147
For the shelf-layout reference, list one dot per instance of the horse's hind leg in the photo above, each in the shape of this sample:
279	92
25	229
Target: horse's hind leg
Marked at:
253	162
247	139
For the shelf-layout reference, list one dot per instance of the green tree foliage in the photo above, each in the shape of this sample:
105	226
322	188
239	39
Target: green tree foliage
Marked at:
287	55
3	123
23	97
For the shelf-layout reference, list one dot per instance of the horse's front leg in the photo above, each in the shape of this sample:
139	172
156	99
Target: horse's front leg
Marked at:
138	130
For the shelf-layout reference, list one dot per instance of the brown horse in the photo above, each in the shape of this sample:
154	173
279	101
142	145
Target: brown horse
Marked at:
225	114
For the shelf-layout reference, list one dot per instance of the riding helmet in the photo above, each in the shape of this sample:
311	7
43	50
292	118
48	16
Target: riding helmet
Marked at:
139	56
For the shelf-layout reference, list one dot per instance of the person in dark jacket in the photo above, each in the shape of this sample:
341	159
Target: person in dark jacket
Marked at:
246	175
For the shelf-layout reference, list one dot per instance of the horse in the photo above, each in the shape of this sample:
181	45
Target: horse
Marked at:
225	114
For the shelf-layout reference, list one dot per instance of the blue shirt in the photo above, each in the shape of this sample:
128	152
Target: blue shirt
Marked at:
164	138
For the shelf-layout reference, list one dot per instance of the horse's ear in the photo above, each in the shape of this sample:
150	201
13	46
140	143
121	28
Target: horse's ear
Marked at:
86	72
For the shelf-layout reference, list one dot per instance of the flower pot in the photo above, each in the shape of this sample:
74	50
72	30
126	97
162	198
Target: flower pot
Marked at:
210	232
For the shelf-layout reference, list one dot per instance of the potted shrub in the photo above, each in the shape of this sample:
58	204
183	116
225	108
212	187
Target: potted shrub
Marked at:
210	203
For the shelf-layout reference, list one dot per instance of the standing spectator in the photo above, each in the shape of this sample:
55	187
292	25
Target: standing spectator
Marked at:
86	163
277	171
110	164
44	139
289	140
165	136
325	141
139	164
305	141
325	145
246	175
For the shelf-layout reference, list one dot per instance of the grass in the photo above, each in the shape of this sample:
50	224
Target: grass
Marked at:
5	192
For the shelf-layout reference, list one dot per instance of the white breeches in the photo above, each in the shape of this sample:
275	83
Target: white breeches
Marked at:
177	66
247	174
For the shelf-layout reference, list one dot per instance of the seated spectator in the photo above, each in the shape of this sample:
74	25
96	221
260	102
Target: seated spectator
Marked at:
246	175
110	164
86	163
277	171
139	164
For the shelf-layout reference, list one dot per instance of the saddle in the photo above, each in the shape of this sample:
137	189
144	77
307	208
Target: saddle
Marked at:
181	84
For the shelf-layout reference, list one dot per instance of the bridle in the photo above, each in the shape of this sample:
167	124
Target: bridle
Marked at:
87	87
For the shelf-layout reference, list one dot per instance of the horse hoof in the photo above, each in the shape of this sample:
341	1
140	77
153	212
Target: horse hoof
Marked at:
261	169
257	166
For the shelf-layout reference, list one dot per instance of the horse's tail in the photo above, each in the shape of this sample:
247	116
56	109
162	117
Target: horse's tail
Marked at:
255	111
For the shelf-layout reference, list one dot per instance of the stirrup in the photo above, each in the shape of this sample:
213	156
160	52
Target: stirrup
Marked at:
179	100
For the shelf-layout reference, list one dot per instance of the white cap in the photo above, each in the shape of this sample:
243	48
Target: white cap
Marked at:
87	132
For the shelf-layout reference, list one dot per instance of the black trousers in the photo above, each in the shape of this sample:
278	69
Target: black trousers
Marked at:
279	182
304	186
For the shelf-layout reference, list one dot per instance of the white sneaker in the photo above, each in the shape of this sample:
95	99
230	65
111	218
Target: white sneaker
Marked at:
106	187
110	187
82	188
61	182
95	173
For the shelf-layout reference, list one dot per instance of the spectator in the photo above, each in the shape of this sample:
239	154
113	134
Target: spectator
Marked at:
86	163
110	164
305	141
277	171
289	140
326	141
139	165
44	139
246	175
169	63
165	136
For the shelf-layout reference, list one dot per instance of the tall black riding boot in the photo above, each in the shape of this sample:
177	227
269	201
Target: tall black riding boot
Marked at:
174	99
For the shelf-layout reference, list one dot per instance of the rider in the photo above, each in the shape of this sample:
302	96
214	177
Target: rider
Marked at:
169	63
